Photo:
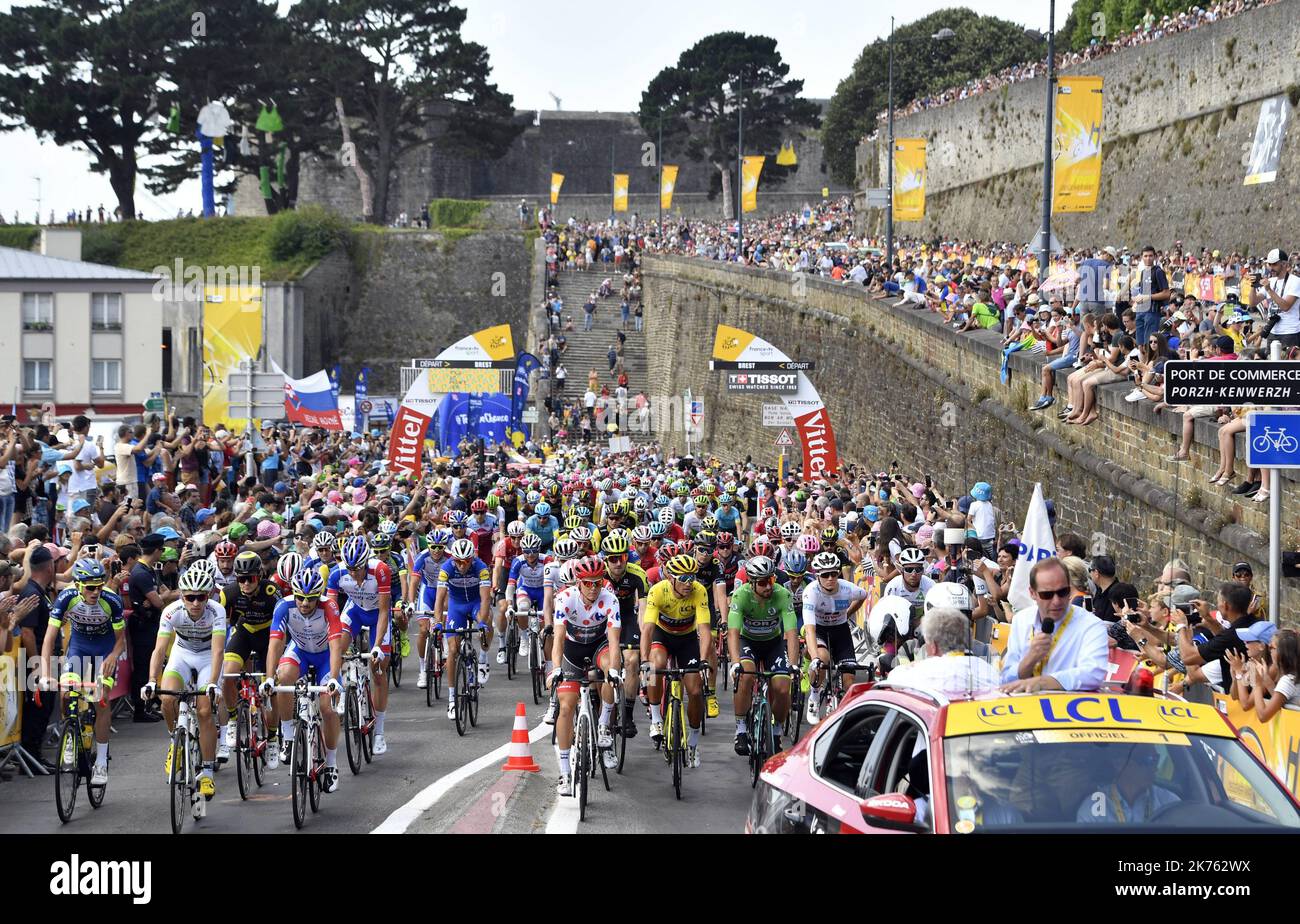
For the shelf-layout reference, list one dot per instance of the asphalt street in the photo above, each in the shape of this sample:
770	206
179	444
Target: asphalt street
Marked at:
430	781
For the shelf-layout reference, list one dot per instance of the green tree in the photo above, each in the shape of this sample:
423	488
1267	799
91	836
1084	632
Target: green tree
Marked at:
423	83
981	45
700	112
86	73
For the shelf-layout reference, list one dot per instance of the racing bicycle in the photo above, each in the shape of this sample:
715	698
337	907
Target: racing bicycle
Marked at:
675	730
185	759
77	743
251	740
307	753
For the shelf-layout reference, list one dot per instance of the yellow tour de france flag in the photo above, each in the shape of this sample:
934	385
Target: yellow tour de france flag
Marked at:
667	187
751	167
557	180
620	192
909	179
1076	144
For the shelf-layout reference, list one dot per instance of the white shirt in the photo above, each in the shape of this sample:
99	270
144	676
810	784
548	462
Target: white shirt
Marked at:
1078	660
982	519
1289	320
84	480
958	674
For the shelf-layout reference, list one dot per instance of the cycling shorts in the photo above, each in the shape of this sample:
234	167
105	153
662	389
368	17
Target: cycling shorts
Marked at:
461	615
85	652
360	619
838	640
766	654
307	660
535	596
577	653
184	663
243	645
681	648
428	597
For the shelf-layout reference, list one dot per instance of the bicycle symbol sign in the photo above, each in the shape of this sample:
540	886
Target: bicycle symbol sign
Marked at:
1273	440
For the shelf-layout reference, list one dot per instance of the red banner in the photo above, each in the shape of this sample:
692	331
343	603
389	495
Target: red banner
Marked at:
406	442
820	460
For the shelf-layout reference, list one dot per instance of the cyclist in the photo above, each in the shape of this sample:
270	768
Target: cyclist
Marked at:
223	559
827	606
464	590
714	583
566	550
324	555
727	515
198	624
676	626
366	583
249	608
543	524
382	545
504	554
96	639
526	587
629	584
587	619
481	528
911	584
286	566
693	521
317	637
428	565
761	630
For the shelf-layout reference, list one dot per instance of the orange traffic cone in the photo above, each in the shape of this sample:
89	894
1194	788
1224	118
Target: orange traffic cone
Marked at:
521	758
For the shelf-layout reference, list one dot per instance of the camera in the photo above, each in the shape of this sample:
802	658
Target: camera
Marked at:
1135	618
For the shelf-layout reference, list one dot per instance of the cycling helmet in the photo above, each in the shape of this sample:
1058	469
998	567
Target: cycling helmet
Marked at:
204	565
700	501
761	546
724	499
381	542
323	540
493	502
640	505
308	583
726	540
789	530
826	561
682	566
566	549
564	577
771	526
479	506
572	522
759	567
543	510
830	534
531	542
667	549
583	511
682	490
766	513
948	594
809	545
462	550
356	552
614	544
589	568
531	498
248	563
196	581
88	571
710	523
794	562
388	528
667	517
440	539
685	546
911	556
583	536
644	532
226	549
515	529
892	610
456	518
706	540
290	563
657	529
663	500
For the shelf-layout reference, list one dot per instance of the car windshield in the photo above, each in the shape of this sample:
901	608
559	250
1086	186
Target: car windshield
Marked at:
1052	778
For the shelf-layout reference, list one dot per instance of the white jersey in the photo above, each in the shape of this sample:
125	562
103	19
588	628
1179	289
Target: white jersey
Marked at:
831	609
193	634
585	624
551	575
896	588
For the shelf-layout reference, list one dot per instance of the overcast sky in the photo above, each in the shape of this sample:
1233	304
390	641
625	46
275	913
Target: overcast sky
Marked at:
593	61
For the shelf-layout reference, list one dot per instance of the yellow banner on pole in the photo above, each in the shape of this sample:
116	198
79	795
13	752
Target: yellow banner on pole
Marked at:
751	167
667	187
557	180
232	333
909	179
620	192
1076	144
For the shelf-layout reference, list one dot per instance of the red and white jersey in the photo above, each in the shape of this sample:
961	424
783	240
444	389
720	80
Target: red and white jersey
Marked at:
364	595
586	624
308	633
504	552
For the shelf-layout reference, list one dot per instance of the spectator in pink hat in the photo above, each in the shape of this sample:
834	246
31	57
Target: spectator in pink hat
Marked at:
268	529
335	497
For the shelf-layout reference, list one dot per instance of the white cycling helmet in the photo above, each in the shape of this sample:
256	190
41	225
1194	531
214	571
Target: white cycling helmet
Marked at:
290	563
565	576
825	561
789	530
196	581
911	556
891	609
515	529
948	594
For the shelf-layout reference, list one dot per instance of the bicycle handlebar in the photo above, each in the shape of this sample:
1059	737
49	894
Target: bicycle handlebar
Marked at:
680	671
244	674
310	688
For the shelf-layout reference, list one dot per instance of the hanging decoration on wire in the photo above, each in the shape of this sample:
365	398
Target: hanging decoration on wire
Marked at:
787	157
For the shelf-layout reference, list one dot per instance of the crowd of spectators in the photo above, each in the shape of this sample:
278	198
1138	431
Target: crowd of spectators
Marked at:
1151	29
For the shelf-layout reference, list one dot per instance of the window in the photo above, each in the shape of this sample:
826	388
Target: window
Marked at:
37	375
38	311
106	311
106	376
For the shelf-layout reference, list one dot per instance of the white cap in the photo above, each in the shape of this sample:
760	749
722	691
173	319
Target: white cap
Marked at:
1275	256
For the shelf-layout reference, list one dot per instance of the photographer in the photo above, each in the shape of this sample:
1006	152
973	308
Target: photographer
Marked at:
1280	294
1209	655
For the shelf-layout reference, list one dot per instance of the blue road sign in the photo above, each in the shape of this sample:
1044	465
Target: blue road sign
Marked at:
1273	439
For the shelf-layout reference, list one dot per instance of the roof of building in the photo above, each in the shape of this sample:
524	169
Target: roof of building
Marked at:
25	264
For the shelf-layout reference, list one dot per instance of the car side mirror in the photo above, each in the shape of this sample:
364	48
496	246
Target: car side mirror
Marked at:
892	810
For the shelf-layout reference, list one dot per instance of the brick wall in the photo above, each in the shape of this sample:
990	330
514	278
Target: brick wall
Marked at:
900	386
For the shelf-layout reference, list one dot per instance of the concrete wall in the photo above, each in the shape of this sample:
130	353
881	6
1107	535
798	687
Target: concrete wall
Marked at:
1179	113
899	385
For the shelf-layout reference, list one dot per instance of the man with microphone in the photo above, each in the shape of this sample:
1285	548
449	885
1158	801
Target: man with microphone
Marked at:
1054	645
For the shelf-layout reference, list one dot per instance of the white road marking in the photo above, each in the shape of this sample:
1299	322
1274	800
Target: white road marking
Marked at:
404	816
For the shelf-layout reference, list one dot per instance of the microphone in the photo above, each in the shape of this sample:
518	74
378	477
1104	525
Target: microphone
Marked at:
1049	625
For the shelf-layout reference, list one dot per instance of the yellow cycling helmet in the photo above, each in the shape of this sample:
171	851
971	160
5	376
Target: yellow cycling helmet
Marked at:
615	544
682	566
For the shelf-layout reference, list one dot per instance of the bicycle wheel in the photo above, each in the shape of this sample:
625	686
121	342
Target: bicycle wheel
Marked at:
430	688
317	761
534	668
760	741
473	696
257	744
178	782
620	736
94	794
299	776
461	694
68	775
352	731
676	744
435	680
794	718
582	754
724	666
243	751
366	717
395	661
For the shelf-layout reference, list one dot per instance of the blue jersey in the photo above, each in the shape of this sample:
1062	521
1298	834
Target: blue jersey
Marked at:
727	522
428	567
544	528
463	586
89	620
529	577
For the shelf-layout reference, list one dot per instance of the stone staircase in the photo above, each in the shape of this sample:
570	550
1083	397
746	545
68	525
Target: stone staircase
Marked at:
589	350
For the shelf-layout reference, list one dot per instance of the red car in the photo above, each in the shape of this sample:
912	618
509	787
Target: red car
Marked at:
1051	762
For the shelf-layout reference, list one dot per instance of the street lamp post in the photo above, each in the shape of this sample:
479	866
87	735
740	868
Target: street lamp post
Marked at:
740	174
1044	246
659	156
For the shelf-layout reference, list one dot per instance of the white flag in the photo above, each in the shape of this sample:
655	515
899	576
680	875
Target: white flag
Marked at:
1036	542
